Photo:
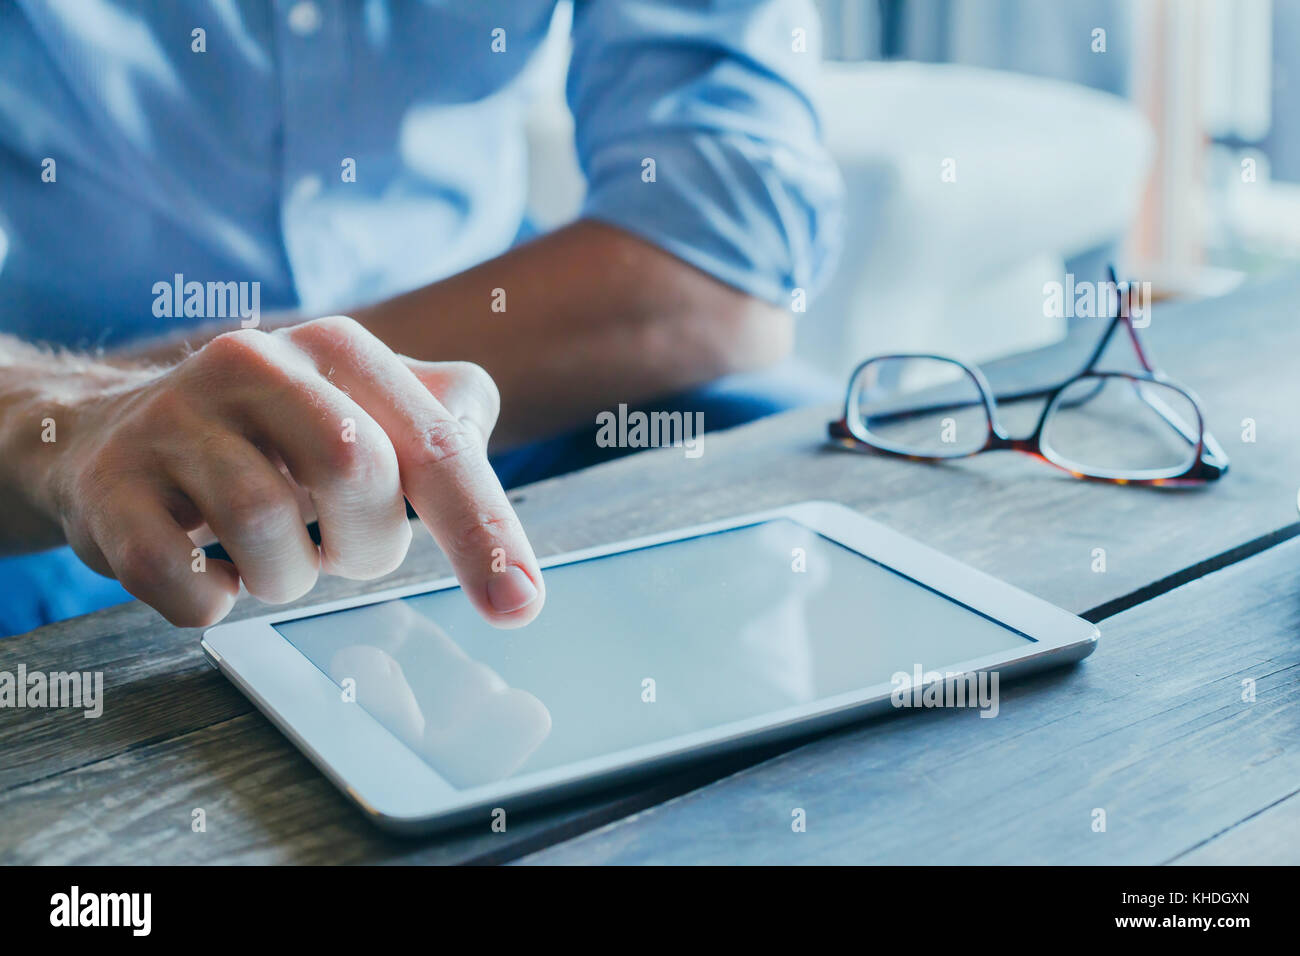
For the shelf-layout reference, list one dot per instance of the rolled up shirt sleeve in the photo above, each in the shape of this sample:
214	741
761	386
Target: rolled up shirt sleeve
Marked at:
696	131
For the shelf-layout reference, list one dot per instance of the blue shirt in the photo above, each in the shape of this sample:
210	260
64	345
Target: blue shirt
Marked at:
224	156
215	140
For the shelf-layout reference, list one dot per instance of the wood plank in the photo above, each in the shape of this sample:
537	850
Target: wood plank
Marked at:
1008	515
1152	729
262	803
1253	841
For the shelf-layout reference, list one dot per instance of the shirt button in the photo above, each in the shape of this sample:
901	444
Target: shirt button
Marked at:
304	18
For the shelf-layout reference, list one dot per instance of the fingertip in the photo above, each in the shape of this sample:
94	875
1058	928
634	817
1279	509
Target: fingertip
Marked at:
514	597
209	606
223	595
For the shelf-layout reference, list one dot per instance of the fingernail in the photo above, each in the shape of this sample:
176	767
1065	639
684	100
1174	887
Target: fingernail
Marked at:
509	590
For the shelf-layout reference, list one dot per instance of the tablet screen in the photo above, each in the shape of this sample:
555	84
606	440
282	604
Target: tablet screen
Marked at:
638	647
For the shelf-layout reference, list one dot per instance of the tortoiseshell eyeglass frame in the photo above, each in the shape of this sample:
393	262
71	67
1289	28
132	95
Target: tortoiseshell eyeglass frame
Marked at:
1208	463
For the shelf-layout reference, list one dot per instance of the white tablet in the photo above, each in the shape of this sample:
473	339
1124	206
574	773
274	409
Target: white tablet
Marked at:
649	652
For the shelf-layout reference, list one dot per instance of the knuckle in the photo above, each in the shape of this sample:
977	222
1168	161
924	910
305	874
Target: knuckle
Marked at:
210	444
328	330
347	460
142	565
258	508
481	532
474	375
237	349
440	441
367	460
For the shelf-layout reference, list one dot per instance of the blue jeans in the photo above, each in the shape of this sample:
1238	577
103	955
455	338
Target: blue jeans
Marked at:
37	589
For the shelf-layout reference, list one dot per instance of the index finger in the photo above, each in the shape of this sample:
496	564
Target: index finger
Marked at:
444	469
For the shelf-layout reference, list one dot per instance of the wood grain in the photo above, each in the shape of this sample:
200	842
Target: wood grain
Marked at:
1152	729
1254	841
174	732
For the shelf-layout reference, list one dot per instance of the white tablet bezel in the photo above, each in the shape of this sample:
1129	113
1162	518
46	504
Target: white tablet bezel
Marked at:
397	789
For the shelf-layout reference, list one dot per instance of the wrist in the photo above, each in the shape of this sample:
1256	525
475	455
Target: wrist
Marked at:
45	411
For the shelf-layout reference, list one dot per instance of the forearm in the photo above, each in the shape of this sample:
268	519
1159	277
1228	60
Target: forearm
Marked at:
585	317
592	317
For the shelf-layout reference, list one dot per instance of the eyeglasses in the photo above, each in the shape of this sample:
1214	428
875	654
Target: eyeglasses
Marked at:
1123	427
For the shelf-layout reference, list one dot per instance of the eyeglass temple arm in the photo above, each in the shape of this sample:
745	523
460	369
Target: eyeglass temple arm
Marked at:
1093	359
1124	311
1211	450
1210	446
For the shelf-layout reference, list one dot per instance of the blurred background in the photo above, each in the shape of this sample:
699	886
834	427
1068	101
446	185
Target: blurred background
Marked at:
992	146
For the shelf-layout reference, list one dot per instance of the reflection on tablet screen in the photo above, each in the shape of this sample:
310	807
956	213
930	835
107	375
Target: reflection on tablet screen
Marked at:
638	647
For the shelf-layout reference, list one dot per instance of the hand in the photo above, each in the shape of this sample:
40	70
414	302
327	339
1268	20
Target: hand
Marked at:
234	435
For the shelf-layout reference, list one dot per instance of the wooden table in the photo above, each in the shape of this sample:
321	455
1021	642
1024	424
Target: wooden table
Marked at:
1200	591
